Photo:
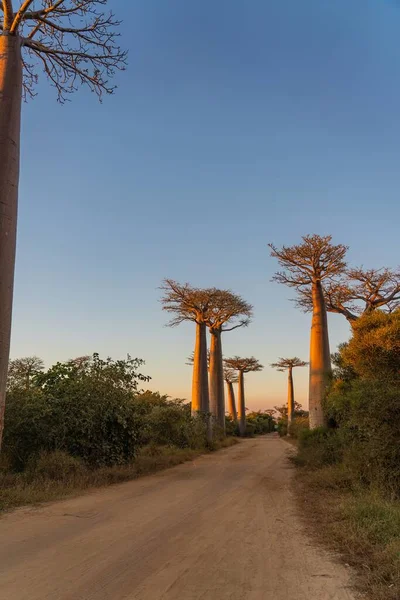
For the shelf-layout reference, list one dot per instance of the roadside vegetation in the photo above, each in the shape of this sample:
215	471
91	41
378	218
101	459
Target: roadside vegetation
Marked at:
84	423
349	471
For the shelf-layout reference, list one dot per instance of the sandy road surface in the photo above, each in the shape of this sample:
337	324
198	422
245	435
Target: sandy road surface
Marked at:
222	527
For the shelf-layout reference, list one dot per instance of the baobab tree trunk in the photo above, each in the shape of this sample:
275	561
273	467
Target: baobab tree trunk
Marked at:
320	359
200	400
10	119
217	395
231	401
290	398
241	405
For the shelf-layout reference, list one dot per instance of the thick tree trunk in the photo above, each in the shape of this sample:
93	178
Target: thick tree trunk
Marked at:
231	401
217	395
290	398
241	405
10	118
197	372
320	358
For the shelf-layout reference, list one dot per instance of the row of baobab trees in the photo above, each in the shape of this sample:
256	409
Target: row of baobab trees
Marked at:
317	270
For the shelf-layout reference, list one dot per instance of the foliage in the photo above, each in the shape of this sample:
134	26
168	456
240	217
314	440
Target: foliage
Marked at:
297	426
85	409
245	365
316	258
285	364
261	422
364	404
318	447
21	372
374	350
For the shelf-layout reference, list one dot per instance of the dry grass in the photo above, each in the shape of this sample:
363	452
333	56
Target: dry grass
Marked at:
33	486
360	524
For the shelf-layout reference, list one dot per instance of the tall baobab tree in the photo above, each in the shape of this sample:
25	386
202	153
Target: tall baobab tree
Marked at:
358	292
227	311
192	304
288	364
242	366
311	265
231	377
74	42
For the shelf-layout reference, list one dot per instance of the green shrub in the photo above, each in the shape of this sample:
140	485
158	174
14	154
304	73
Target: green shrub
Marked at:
56	466
319	447
298	425
282	427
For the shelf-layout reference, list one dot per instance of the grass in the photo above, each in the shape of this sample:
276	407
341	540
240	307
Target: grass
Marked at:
360	523
50	482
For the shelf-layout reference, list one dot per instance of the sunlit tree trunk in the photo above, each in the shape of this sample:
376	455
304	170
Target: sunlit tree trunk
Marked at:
231	401
197	383
205	397
320	360
217	395
10	118
290	397
241	405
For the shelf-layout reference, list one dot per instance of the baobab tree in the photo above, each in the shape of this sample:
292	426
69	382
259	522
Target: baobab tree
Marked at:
311	265
231	377
74	42
227	311
358	292
21	372
242	366
188	303
288	364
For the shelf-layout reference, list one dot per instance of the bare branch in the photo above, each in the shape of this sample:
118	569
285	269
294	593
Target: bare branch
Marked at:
316	259
8	14
74	41
18	17
357	292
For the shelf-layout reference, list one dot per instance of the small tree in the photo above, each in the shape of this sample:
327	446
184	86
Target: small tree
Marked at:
310	265
227	311
358	292
21	372
288	364
191	304
231	377
242	366
75	43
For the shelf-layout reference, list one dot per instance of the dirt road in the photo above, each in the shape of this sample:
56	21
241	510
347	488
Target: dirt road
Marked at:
222	527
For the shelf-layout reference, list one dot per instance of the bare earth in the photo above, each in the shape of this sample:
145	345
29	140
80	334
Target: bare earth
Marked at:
222	527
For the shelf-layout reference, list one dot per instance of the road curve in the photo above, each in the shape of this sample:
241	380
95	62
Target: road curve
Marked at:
221	527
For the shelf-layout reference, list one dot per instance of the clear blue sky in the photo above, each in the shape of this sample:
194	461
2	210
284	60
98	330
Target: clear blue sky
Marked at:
238	122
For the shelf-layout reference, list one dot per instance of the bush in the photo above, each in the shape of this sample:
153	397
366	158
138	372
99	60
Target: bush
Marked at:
298	425
319	447
57	466
282	427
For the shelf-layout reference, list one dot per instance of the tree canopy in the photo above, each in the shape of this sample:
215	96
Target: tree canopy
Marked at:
316	259
74	42
245	365
284	364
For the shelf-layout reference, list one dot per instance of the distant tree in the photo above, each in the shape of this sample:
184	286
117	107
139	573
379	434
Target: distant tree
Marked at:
187	303
311	264
74	42
21	372
242	366
231	377
227	311
358	292
288	364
